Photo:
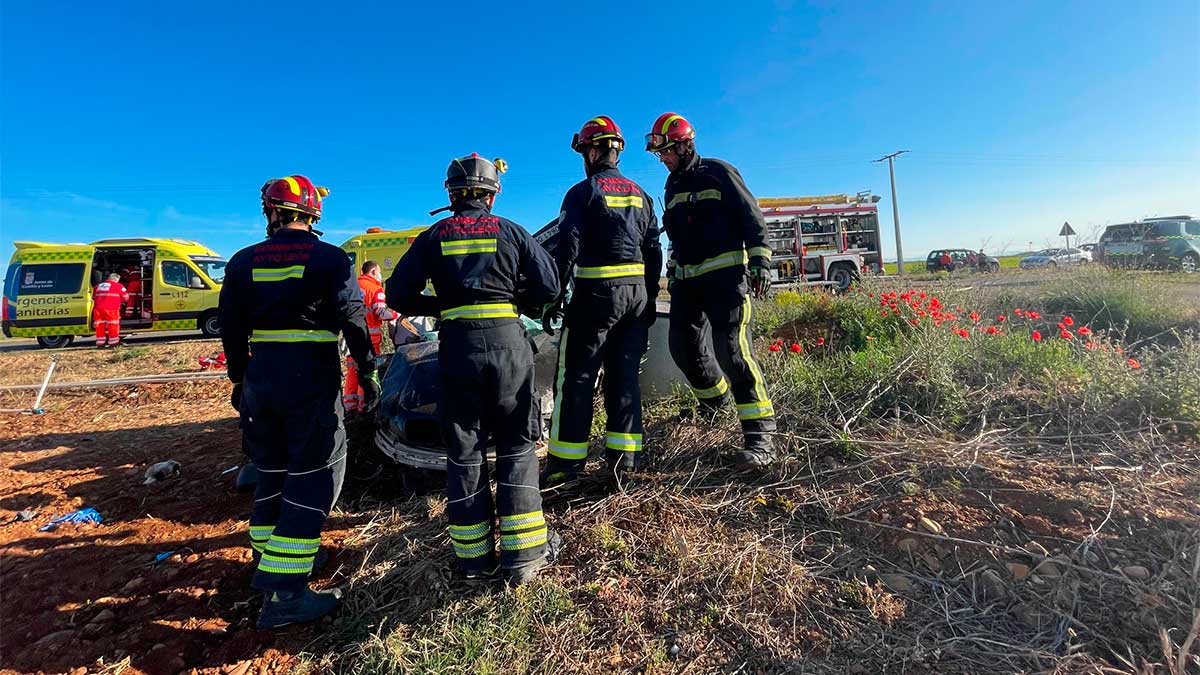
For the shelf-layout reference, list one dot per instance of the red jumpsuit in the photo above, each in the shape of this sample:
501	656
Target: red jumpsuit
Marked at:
108	296
377	314
135	295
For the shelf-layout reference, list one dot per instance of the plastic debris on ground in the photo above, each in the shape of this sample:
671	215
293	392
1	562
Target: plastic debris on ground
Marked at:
88	515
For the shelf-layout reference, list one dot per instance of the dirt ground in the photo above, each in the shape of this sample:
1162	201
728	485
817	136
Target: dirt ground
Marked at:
944	523
82	596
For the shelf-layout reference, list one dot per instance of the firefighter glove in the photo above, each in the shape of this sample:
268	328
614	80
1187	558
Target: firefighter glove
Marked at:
235	397
372	391
760	281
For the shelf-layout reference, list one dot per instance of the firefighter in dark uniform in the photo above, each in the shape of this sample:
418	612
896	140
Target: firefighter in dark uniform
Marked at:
485	270
608	229
720	256
287	298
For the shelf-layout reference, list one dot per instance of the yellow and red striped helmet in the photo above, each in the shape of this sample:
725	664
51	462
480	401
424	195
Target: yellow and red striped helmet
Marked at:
602	131
669	129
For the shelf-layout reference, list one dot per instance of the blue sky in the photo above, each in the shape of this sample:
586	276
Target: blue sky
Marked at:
138	118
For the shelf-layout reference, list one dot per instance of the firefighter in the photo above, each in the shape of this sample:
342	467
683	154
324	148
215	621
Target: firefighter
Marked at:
108	297
720	256
607	227
483	268
286	298
378	314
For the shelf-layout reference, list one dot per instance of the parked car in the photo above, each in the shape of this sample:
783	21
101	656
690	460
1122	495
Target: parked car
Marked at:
1089	250
1155	243
1053	257
961	258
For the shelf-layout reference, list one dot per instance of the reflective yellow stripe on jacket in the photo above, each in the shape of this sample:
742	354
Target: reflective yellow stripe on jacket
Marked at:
623	201
293	336
683	197
716	262
276	273
465	246
500	310
611	271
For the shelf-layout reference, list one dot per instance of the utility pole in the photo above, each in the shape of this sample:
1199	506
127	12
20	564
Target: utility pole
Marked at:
891	160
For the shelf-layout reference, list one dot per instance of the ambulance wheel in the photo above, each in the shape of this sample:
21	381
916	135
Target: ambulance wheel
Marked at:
55	341
210	325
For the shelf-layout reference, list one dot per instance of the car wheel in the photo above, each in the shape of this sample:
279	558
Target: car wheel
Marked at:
55	341
210	324
1052	264
1189	263
993	267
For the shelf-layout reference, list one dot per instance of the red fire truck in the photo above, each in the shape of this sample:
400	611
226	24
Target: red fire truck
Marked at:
824	240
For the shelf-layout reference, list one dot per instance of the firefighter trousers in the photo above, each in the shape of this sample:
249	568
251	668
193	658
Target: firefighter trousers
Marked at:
291	418
487	398
710	342
603	327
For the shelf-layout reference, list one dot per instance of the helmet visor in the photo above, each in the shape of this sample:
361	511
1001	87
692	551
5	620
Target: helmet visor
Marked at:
656	141
575	145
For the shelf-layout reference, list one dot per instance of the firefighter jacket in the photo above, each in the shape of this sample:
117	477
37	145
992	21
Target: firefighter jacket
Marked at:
608	229
714	223
109	295
484	269
292	289
375	301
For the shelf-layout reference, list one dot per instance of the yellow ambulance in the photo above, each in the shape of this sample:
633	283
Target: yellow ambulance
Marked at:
383	246
173	285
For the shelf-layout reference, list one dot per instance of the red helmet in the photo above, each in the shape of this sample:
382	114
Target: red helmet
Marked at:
296	193
668	130
601	131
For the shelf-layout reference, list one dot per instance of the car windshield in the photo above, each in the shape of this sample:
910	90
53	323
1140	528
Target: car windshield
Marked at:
1048	252
213	267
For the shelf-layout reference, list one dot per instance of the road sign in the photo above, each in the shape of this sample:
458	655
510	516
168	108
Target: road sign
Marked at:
1066	230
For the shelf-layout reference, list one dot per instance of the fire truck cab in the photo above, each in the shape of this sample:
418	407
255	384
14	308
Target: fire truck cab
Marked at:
828	240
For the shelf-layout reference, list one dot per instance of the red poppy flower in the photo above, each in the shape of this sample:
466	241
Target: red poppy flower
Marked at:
870	295
1019	312
1062	326
1090	346
922	295
820	342
1033	315
1066	334
992	330
1133	363
1084	330
1036	335
1068	320
1002	318
974	316
920	312
775	347
914	321
796	348
962	333
1118	350
883	312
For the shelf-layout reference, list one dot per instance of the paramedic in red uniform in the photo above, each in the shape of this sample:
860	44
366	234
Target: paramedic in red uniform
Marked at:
108	296
378	314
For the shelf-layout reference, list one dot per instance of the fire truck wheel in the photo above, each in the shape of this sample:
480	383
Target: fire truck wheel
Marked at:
842	276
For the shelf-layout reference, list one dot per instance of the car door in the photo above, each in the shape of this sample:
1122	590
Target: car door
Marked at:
179	295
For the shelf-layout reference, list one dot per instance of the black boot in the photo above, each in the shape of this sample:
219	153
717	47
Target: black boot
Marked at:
758	453
559	471
519	576
281	608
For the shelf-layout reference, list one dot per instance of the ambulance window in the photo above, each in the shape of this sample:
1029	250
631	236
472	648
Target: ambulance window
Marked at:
10	280
175	274
52	279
